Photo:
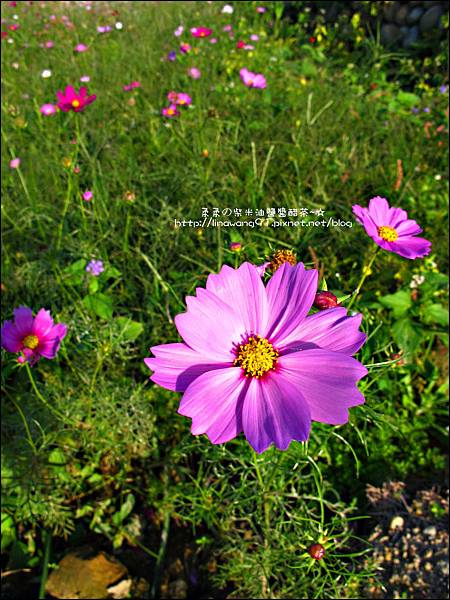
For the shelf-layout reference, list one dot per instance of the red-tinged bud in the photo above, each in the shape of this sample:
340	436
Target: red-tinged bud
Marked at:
240	44
324	300
235	246
316	551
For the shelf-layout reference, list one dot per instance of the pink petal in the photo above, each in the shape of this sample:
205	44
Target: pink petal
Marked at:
176	366
411	247
290	292
408	228
43	323
210	326
327	381
214	402
330	329
23	320
379	211
274	411
11	340
243	290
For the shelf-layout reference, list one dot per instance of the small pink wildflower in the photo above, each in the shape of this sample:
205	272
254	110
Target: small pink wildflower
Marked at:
88	195
48	109
15	163
170	111
194	73
81	48
254	80
85	79
201	32
133	85
185	48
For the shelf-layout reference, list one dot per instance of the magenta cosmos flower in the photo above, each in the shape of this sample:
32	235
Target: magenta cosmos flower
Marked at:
170	111
201	32
390	228
255	80
252	361
33	337
48	109
71	100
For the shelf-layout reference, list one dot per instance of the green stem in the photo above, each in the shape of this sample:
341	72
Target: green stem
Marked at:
161	554
39	395
25	424
266	511
44	576
364	275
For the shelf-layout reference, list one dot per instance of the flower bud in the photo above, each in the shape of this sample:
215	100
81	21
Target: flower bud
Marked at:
235	246
316	551
324	300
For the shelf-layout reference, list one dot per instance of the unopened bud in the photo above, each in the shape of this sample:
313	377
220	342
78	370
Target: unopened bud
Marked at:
324	300
316	551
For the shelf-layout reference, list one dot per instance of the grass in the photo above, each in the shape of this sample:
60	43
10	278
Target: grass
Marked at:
320	137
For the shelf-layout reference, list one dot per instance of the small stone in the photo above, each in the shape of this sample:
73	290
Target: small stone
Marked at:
390	34
430	531
411	37
397	522
430	19
121	590
414	15
443	565
401	14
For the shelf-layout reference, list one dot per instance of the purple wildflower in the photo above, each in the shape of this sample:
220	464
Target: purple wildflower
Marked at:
95	267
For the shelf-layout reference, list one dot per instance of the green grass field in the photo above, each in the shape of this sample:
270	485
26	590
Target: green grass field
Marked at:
92	449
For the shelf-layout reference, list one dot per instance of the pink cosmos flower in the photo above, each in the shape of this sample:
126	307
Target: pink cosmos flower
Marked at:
251	359
183	99
48	109
104	28
33	337
81	48
71	100
261	9
49	44
132	86
194	73
178	31
201	32
85	79
88	195
390	228
254	80
185	48
227	27
170	111
14	163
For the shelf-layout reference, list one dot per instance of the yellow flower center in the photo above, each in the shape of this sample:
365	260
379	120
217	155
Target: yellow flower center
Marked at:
387	233
170	111
75	103
31	342
282	256
256	357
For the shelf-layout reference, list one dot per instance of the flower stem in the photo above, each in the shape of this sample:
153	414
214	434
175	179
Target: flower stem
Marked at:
40	396
266	591
25	424
44	576
364	275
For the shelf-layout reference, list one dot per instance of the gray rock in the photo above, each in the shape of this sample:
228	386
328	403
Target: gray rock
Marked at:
390	9
390	34
430	19
430	531
401	14
414	15
411	37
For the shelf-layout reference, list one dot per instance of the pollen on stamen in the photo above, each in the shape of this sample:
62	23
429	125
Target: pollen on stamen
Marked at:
282	256
387	233
256	357
75	103
30	341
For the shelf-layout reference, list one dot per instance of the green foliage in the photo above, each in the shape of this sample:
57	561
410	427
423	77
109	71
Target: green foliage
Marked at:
326	133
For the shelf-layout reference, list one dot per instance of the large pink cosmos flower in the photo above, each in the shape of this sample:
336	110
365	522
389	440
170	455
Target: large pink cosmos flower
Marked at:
33	337
255	80
253	361
390	228
71	100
